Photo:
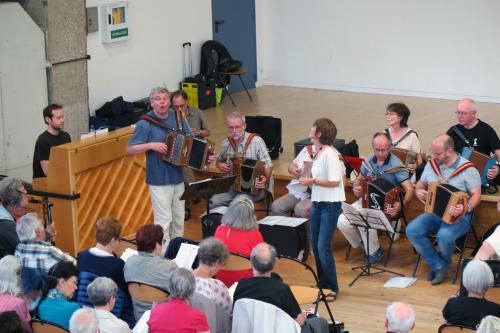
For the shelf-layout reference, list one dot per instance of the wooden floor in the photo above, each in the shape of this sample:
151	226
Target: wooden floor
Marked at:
357	116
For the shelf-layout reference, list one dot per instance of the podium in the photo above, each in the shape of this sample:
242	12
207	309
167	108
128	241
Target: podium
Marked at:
92	178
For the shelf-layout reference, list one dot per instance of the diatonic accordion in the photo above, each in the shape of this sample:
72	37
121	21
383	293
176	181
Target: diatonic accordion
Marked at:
406	156
481	161
380	193
186	150
248	173
441	198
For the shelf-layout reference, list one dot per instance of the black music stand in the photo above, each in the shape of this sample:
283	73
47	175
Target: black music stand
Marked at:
368	219
206	189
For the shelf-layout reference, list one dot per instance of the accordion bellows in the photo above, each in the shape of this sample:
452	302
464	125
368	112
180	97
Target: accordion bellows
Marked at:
380	193
441	198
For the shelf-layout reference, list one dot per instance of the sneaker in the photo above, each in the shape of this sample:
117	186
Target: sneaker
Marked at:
375	257
440	276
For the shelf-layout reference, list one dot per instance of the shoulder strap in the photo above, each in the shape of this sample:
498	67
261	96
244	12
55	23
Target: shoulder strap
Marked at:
157	122
458	170
403	137
233	143
460	135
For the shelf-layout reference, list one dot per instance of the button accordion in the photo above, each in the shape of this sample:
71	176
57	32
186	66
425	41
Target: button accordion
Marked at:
481	161
185	150
380	193
441	198
405	155
248	173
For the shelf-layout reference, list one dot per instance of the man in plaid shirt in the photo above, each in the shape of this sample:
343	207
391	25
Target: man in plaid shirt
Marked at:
33	251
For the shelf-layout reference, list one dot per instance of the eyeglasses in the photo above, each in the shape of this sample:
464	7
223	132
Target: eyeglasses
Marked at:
159	99
381	150
232	128
179	106
462	113
391	114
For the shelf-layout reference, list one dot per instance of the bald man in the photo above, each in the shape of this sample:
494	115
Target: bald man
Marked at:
468	180
400	318
474	133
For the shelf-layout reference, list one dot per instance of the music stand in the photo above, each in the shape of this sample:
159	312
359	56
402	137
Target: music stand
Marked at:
205	189
368	219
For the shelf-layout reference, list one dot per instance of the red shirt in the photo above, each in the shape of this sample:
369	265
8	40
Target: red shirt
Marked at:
237	241
176	316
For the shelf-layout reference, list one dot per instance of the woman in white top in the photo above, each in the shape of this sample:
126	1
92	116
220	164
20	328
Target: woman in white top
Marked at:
326	196
401	135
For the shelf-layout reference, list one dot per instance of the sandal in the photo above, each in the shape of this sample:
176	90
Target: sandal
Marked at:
330	297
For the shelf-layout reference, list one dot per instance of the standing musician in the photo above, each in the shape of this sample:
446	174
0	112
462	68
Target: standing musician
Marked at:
164	180
327	195
474	133
248	145
447	167
376	165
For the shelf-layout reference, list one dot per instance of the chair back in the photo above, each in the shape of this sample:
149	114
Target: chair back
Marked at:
146	293
236	262
41	326
124	244
449	328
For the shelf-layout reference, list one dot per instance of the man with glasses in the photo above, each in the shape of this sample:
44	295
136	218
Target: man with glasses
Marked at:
474	133
375	166
195	117
248	145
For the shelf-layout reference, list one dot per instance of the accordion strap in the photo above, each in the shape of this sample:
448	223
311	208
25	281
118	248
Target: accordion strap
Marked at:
158	123
461	135
459	169
234	144
310	150
394	144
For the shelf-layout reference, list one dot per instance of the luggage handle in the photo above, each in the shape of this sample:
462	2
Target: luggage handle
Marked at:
189	62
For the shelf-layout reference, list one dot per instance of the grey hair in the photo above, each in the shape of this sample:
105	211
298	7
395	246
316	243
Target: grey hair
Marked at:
212	250
84	320
101	290
9	192
181	283
489	324
158	90
27	225
400	317
240	214
10	275
263	258
236	115
477	277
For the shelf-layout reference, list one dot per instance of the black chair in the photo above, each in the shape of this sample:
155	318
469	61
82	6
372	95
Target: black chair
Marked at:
450	328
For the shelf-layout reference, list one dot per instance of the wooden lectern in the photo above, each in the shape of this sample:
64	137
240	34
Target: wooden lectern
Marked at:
95	178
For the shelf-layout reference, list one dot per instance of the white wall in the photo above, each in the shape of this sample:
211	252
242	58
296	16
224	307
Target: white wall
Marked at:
153	54
431	48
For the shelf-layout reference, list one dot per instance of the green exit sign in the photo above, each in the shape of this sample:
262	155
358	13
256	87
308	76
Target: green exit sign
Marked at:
119	33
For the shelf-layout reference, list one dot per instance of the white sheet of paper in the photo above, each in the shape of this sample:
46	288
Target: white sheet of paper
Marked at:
102	131
400	282
186	255
128	253
87	135
283	220
142	324
376	218
220	210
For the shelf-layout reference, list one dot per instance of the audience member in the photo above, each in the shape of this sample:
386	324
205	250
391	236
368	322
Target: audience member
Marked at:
400	318
489	324
14	201
33	250
56	305
33	282
149	266
490	249
102	293
10	290
10	323
240	232
477	279
84	321
177	315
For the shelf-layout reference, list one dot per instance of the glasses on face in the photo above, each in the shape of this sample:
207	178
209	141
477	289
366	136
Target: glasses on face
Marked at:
232	128
179	106
391	114
381	150
462	113
159	99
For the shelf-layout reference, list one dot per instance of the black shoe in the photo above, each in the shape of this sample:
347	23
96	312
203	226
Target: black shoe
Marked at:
440	276
431	275
375	257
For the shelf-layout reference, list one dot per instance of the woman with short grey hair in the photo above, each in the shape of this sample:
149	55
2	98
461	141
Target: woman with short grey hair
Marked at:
469	310
177	314
240	232
102	293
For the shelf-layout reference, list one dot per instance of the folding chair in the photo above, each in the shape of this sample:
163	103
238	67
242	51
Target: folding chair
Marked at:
450	328
42	326
146	293
267	200
236	262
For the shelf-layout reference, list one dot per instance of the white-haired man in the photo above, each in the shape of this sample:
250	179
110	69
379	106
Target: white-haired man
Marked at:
400	318
84	321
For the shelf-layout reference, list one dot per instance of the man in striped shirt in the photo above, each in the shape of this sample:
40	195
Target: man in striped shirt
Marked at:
33	251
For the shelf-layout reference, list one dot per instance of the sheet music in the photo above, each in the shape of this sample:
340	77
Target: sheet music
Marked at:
375	218
128	253
142	324
400	282
186	255
282	220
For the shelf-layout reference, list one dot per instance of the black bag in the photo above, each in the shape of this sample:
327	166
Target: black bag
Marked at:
269	129
209	224
229	65
287	240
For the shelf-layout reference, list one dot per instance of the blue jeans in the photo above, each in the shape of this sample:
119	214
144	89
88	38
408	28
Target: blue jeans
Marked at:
324	216
446	235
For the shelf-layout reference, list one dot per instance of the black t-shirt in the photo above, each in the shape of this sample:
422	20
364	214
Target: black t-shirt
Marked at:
269	290
469	311
42	149
481	137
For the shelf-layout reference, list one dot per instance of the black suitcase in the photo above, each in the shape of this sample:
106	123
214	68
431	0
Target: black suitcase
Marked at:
269	129
209	224
299	145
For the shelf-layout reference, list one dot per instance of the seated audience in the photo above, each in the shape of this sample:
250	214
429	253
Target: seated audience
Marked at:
84	321
33	282
490	249
33	250
212	255
468	310
240	232
10	322
10	290
102	293
55	305
399	318
149	266
489	324
14	201
270	289
177	315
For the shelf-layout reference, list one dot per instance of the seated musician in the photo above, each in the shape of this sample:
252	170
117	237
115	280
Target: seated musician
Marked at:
53	116
455	170
376	165
240	143
474	133
490	249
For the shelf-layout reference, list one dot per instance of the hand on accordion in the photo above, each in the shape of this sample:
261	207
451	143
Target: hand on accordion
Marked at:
224	167
211	158
394	209
160	147
261	183
412	167
306	181
457	210
493	172
357	190
421	194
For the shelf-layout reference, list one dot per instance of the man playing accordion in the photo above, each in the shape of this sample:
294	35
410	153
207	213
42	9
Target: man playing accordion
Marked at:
448	167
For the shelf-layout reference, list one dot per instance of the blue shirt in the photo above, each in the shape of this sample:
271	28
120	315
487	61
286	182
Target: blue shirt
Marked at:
158	172
392	161
57	310
464	181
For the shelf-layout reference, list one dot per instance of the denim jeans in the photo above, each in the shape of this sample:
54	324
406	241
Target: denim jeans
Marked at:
446	234
324	216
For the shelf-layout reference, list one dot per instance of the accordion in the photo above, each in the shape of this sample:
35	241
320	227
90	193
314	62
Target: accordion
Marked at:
200	151
380	193
185	150
306	169
247	172
481	161
405	155
440	199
